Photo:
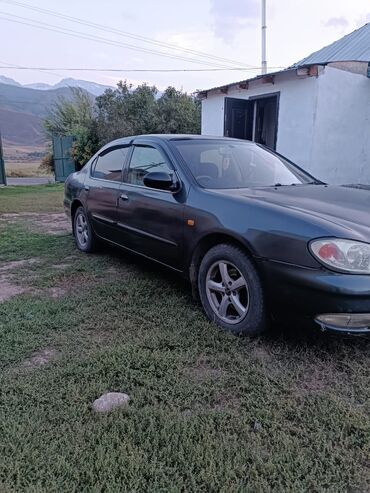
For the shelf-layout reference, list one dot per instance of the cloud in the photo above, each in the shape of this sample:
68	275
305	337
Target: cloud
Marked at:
128	15
231	16
363	20
337	22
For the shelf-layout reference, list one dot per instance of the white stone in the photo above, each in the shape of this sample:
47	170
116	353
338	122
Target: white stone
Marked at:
109	401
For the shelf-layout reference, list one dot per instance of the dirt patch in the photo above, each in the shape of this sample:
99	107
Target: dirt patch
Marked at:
40	358
55	292
9	290
16	264
61	266
320	379
261	354
42	222
54	224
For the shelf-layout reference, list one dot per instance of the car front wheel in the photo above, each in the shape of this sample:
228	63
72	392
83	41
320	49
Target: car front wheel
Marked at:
86	240
231	291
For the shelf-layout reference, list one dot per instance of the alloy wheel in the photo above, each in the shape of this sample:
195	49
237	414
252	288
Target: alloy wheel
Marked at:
82	231
227	292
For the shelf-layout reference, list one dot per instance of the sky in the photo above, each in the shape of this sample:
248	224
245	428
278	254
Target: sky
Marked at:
229	29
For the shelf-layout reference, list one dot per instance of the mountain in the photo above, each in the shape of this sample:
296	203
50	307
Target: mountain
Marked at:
22	110
7	80
23	107
21	128
33	101
39	85
91	87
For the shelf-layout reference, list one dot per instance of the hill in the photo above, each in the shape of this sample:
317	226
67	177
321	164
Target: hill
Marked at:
21	128
33	101
91	87
22	110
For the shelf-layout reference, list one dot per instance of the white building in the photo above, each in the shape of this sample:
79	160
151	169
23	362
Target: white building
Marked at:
317	112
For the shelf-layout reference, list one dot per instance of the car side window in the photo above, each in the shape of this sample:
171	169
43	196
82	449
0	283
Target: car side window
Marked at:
143	160
109	165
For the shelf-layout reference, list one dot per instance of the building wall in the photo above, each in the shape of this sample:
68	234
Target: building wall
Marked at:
341	143
323	123
297	104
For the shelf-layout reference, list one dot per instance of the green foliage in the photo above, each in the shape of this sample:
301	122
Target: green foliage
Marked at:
119	113
75	117
177	112
126	111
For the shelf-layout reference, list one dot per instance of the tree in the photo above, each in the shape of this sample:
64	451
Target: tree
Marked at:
126	111
121	112
178	113
75	117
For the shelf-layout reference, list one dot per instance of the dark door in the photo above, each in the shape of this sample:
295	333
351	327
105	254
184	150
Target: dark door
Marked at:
238	118
150	221
266	121
103	190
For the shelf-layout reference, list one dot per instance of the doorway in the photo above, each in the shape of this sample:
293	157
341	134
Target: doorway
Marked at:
253	119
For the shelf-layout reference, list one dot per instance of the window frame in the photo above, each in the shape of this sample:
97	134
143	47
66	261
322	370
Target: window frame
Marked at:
107	151
161	151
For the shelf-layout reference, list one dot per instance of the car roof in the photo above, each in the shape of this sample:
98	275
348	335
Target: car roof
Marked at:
168	137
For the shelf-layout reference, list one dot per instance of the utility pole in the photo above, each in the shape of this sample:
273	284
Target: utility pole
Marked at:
264	27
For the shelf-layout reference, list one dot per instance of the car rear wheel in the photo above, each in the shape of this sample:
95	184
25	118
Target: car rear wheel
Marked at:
85	238
231	291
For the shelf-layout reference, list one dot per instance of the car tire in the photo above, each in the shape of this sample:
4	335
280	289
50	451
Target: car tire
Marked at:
85	237
230	290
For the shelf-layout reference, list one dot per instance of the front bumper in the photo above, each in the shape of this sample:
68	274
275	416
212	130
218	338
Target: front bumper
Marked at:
345	323
318	297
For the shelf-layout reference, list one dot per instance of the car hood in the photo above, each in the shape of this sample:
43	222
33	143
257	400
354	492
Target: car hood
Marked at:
346	207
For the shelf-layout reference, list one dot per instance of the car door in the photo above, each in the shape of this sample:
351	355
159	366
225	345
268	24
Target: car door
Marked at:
103	190
150	221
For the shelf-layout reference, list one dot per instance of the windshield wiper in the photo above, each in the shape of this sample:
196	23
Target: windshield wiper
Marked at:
316	182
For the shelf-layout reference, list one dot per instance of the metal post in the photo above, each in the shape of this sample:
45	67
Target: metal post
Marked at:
264	27
2	165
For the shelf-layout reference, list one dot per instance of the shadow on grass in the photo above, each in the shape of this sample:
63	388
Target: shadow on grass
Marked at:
289	335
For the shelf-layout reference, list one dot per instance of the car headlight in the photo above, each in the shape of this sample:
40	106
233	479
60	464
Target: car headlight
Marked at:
342	255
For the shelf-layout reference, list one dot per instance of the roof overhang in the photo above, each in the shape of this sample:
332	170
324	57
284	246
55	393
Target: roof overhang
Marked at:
270	78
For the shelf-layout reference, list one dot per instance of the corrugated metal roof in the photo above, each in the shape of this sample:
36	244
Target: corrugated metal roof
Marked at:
244	81
354	47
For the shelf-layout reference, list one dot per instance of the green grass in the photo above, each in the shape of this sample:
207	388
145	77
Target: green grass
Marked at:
36	198
208	412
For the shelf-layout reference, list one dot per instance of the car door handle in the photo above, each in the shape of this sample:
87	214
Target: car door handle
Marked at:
87	188
123	196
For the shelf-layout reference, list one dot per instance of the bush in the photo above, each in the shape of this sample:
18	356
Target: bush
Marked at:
47	163
118	113
75	117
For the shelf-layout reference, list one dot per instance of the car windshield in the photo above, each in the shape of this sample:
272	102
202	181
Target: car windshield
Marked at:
228	164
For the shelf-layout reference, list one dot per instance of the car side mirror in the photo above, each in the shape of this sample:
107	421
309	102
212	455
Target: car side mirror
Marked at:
161	180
